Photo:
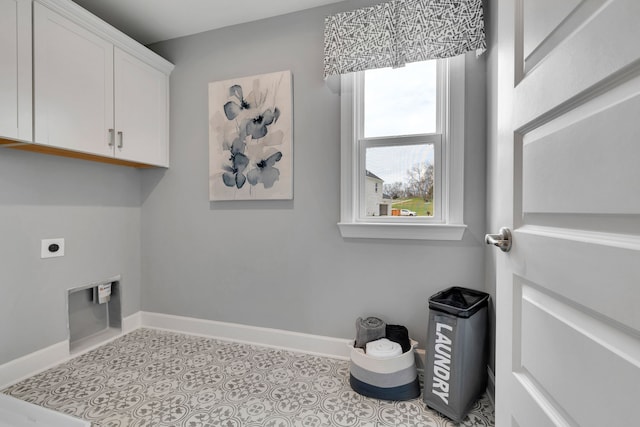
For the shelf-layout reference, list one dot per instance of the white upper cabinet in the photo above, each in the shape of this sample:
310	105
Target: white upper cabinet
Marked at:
140	110
15	70
96	91
73	85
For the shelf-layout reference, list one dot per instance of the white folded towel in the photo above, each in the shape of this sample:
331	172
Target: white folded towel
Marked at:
383	349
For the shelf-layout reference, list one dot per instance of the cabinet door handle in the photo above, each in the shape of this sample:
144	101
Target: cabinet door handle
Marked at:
112	137
120	139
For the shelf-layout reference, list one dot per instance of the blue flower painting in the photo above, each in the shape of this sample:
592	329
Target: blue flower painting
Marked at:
250	138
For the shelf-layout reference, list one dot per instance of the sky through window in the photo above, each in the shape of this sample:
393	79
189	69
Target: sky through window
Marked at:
399	101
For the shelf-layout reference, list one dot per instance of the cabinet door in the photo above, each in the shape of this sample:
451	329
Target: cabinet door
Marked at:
15	69
73	85
141	111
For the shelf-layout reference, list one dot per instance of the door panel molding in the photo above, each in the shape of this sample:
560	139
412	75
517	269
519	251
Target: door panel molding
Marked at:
614	240
557	165
604	223
555	260
596	62
539	402
535	408
554	330
568	21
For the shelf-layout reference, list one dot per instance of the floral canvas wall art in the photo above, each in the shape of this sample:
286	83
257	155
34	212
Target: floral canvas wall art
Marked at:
250	138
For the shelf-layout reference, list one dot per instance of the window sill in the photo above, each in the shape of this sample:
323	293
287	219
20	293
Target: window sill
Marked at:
402	231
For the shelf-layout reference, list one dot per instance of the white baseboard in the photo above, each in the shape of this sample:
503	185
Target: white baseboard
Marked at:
131	323
43	359
33	363
267	337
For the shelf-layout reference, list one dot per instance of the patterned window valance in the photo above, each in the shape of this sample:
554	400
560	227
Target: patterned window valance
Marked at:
396	32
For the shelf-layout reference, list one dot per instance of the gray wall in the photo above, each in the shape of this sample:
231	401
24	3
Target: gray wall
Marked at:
283	264
96	208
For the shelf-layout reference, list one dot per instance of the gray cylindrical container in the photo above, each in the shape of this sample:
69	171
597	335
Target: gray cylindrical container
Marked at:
455	373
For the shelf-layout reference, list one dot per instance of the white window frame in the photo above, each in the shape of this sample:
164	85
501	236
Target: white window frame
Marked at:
447	223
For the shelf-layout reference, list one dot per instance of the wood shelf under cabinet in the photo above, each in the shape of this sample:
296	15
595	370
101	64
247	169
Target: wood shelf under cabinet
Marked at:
55	151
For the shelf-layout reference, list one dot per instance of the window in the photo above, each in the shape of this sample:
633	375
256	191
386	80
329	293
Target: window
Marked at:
403	133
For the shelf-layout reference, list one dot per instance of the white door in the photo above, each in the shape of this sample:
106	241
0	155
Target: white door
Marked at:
73	85
15	69
568	292
141	111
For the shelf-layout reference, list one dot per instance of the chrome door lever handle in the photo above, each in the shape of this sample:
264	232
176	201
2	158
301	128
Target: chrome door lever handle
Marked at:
502	240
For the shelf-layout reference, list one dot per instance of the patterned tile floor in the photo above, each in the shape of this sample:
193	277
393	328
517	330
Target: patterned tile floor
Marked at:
151	378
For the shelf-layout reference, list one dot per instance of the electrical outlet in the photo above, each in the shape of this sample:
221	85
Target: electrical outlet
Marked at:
51	248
